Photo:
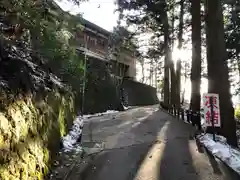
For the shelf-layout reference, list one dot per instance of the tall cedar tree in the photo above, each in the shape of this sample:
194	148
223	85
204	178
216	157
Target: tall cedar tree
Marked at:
167	59
172	68
218	77
180	42
196	56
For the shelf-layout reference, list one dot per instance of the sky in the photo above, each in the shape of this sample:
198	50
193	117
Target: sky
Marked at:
100	12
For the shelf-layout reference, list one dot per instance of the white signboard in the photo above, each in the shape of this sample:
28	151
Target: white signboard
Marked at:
207	109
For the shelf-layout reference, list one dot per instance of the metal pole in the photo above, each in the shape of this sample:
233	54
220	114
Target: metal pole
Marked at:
212	117
84	76
83	89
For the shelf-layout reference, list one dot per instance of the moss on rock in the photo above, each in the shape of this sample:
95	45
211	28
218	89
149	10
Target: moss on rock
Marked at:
35	111
30	131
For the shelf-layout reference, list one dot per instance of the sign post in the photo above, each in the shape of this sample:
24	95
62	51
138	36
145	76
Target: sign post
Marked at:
212	117
211	111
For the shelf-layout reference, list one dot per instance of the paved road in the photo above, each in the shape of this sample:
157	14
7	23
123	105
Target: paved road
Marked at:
145	144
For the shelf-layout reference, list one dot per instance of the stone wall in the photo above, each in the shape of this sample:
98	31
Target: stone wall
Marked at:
101	92
105	92
137	94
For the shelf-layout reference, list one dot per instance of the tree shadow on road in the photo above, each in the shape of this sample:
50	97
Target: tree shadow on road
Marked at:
176	162
117	164
158	148
182	159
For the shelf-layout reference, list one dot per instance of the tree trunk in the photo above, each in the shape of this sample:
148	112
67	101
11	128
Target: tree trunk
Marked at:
178	70
151	72
217	68
185	80
238	66
196	57
167	60
143	74
172	70
173	85
155	76
178	86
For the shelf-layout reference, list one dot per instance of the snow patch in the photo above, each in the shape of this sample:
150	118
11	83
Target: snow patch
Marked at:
71	138
222	150
238	136
126	107
99	114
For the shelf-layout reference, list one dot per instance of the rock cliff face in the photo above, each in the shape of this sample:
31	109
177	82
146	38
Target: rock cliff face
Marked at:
36	110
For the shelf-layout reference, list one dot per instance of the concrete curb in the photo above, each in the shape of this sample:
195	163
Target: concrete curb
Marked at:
232	174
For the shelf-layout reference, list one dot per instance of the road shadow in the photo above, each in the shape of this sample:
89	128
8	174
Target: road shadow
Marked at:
117	164
160	147
182	159
176	162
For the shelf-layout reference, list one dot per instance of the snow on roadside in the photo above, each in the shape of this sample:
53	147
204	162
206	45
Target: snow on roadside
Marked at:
222	150
126	107
70	140
238	136
99	114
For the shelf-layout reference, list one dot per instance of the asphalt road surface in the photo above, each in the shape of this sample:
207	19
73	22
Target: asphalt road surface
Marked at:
146	144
